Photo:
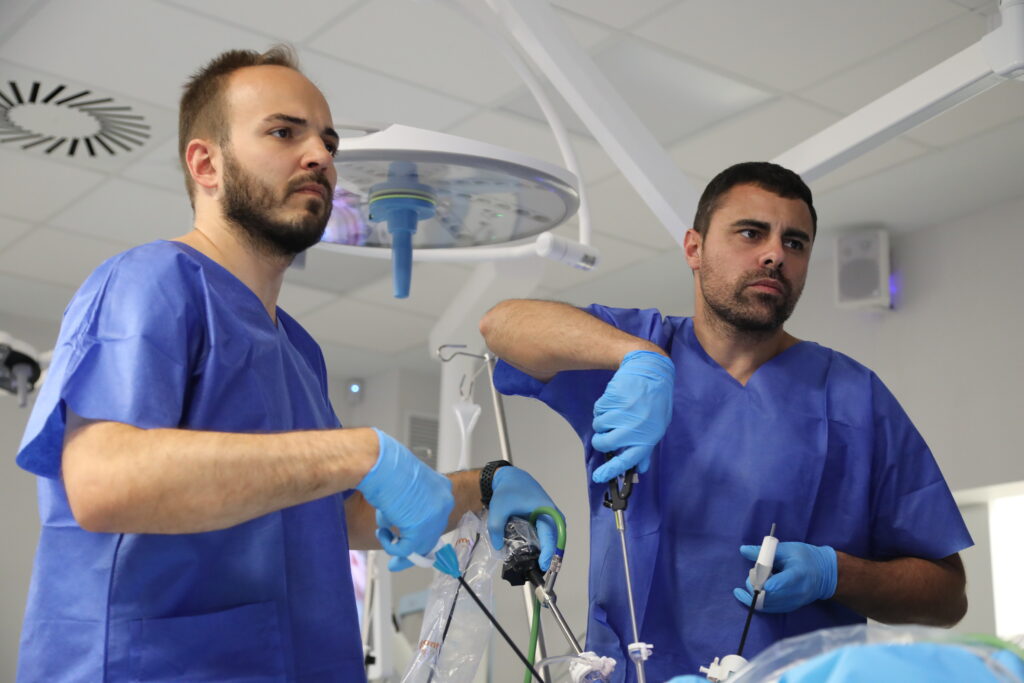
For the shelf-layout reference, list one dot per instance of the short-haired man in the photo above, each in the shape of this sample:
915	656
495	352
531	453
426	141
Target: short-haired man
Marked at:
748	426
197	494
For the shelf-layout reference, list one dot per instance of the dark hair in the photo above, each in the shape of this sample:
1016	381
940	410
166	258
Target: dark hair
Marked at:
764	174
202	112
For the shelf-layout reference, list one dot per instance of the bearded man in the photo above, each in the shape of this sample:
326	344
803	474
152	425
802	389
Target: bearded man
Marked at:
198	496
735	424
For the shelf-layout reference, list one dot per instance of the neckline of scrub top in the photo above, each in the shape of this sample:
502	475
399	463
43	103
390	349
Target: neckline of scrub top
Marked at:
695	345
275	321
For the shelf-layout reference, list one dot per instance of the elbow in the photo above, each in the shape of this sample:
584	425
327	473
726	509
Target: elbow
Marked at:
92	510
493	319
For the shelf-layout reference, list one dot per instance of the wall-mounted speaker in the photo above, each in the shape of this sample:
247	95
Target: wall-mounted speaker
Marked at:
862	269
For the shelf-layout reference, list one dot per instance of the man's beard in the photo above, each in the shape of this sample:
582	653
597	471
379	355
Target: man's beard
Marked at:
747	310
250	203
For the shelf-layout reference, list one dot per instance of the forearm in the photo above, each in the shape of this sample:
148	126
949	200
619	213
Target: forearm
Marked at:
903	590
543	338
122	479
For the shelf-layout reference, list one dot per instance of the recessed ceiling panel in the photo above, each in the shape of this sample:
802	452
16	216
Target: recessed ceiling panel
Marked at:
896	151
855	87
614	12
616	253
664	282
365	326
758	135
11	230
356	94
672	97
337	273
56	256
428	44
272	18
617	210
127	212
434	285
36	188
298	299
159	166
790	44
995	107
34	299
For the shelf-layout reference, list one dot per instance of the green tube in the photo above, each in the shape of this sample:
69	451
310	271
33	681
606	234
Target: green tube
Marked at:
559	522
531	654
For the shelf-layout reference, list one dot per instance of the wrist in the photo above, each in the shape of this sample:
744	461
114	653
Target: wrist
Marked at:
829	571
487	479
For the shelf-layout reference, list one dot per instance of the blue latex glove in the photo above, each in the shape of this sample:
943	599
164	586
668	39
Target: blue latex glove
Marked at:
689	678
805	573
633	413
517	494
408	495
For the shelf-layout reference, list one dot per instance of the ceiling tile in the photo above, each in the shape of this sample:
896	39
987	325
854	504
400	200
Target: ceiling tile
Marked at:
614	12
130	213
56	256
531	137
34	189
425	43
433	287
853	88
992	108
160	167
893	152
617	210
268	17
11	230
615	254
671	96
12	12
98	37
760	134
32	298
366	326
357	95
419	358
298	299
344	362
938	187
335	272
789	44
663	282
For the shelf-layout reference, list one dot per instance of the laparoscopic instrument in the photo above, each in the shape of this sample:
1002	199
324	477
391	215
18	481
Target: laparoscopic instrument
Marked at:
617	498
720	669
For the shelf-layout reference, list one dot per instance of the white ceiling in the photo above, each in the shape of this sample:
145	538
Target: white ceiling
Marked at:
715	82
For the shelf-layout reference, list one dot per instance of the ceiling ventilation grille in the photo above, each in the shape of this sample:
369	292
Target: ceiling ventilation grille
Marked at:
63	120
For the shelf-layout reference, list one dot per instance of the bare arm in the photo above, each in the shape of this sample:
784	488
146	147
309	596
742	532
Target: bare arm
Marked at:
903	590
362	522
542	338
122	479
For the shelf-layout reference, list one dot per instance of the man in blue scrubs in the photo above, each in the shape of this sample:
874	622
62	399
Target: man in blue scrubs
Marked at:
735	424
197	494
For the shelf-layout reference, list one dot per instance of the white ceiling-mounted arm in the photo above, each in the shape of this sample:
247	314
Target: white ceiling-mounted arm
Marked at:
997	56
636	152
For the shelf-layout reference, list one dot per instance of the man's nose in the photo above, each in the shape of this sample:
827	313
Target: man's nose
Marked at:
771	257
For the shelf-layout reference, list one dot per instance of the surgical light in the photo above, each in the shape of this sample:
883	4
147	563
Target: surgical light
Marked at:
402	189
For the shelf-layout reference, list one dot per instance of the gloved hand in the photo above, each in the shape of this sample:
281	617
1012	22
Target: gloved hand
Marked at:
689	678
633	413
807	573
517	494
408	495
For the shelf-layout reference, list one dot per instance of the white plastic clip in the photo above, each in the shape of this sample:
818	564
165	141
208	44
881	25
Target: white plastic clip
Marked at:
640	652
720	671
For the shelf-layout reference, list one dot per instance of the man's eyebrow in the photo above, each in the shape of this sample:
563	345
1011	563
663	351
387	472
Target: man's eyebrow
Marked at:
299	121
752	223
798	233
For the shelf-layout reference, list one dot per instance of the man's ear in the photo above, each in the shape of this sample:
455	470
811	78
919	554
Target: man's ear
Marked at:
203	159
693	248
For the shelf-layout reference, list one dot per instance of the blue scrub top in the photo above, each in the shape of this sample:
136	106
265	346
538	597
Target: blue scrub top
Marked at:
814	443
162	336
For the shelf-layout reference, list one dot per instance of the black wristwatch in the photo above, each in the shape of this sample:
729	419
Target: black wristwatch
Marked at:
486	477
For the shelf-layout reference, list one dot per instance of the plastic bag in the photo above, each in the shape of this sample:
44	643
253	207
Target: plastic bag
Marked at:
452	643
785	656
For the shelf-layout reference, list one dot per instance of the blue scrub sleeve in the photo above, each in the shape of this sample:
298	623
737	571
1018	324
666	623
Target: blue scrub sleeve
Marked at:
122	353
914	513
572	393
